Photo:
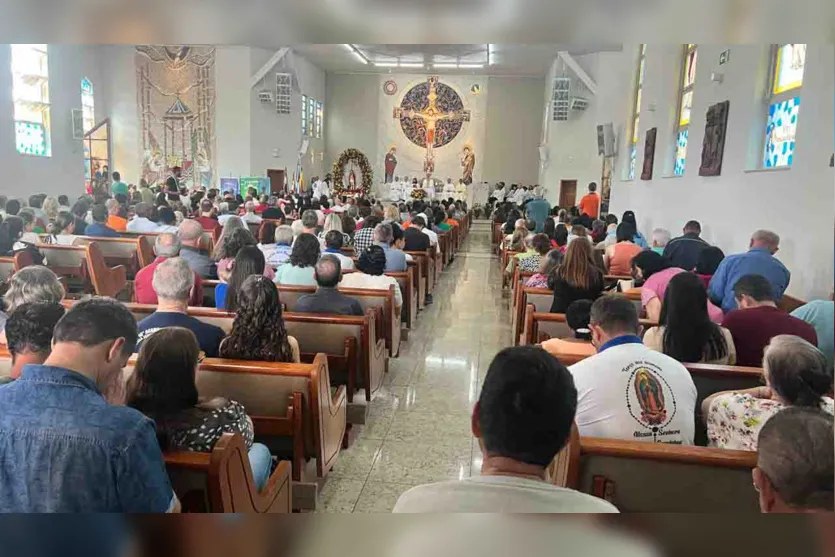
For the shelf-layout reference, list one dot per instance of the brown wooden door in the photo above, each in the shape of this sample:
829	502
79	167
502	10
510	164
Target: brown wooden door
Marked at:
276	181
568	193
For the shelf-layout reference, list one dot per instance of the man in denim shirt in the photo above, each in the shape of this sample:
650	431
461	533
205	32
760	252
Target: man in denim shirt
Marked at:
63	448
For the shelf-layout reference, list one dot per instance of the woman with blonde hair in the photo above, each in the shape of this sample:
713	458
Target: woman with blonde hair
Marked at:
392	213
334	222
578	278
50	208
517	240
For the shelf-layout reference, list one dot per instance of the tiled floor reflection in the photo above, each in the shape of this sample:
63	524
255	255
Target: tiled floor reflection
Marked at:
418	427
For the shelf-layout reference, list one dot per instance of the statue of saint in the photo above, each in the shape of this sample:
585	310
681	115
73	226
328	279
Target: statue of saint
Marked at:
468	163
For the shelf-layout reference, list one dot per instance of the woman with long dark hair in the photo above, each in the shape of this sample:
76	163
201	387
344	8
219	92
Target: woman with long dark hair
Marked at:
685	331
578	278
561	237
299	269
618	257
638	239
249	261
258	332
163	388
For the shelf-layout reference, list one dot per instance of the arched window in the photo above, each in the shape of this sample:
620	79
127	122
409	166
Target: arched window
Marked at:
685	96
87	105
788	63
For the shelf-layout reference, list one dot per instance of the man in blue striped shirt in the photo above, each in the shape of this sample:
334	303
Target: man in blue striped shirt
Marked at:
758	260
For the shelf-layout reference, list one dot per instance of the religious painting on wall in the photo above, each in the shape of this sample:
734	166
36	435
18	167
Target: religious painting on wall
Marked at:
391	164
649	154
176	98
713	146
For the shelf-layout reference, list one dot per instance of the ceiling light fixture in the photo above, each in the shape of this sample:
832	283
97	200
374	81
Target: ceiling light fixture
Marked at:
489	54
386	64
442	66
470	66
411	64
356	53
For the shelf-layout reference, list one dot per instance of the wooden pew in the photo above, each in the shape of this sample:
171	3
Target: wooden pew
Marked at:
368	299
425	261
356	355
131	253
10	265
287	402
407	289
86	264
638	476
221	481
418	285
541	326
790	303
540	298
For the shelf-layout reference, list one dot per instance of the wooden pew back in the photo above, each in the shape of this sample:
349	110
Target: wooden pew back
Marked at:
637	476
356	354
265	389
10	265
132	253
222	482
85	263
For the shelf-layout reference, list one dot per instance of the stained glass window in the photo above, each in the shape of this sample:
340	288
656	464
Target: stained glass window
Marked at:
636	112
30	94
311	117
681	152
780	132
305	124
686	84
87	105
319	116
788	67
788	61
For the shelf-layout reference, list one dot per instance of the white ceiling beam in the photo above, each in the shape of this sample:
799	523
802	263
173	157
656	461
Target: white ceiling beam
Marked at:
580	72
265	69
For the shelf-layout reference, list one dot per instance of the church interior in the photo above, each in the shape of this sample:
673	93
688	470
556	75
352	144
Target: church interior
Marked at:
737	138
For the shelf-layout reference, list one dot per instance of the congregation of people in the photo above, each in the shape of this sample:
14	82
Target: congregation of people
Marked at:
76	437
71	360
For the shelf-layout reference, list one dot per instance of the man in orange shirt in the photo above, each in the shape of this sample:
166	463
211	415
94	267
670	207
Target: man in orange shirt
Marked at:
114	221
590	204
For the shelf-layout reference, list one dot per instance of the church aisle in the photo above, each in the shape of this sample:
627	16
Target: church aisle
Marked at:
418	428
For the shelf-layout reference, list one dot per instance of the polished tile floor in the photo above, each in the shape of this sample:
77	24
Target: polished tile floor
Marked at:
418	427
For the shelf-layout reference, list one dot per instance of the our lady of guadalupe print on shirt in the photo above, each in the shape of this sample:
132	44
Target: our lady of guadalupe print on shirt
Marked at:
651	402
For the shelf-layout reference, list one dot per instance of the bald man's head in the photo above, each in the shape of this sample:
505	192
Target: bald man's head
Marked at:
328	271
167	245
190	231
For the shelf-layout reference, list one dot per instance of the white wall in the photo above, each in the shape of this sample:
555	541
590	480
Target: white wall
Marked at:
797	203
351	113
513	130
232	111
119	84
270	131
63	172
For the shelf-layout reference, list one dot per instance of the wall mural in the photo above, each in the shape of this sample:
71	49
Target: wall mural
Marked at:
435	128
175	88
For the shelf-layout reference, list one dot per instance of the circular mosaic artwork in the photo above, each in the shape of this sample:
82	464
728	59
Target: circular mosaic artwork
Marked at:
417	99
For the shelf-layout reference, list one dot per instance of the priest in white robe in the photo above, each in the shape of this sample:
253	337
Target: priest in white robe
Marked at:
461	191
395	190
429	188
449	189
498	193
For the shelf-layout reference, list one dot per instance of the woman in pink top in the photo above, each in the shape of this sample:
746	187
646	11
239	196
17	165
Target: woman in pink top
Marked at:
656	271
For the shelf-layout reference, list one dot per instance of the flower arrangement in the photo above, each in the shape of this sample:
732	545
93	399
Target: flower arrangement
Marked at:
418	194
357	157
